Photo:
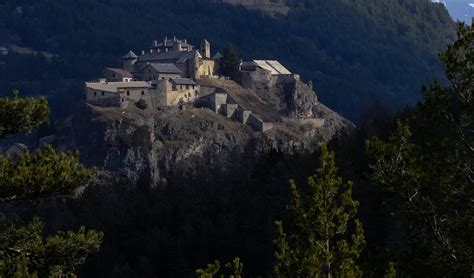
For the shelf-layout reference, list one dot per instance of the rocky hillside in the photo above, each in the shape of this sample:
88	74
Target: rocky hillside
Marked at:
154	144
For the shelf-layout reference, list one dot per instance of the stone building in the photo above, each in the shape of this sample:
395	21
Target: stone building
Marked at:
118	94
173	92
128	61
266	73
159	71
16	149
193	63
170	45
117	75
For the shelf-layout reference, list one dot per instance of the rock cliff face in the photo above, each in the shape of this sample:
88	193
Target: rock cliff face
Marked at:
156	144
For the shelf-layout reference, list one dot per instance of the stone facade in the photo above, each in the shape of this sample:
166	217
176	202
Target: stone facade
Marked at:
117	94
153	72
173	93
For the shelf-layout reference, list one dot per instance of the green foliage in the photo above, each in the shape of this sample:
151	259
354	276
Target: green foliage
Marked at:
427	168
24	248
234	268
21	114
230	62
43	173
320	243
141	104
33	176
391	271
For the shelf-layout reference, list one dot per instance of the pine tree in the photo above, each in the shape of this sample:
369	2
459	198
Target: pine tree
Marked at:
427	168
33	176
230	62
234	268
320	243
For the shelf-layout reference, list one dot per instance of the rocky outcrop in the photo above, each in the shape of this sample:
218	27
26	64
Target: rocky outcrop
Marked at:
157	144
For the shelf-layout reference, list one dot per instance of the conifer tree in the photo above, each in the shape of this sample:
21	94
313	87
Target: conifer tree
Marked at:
318	243
23	248
233	268
427	168
230	62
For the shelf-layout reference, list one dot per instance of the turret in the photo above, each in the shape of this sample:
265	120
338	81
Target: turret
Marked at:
206	49
128	61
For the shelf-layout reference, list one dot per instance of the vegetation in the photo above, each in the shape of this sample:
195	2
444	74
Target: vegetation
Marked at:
31	177
412	171
21	114
355	52
427	165
235	268
141	104
318	245
230	62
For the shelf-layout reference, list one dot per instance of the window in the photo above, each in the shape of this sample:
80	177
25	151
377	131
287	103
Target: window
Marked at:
187	86
128	93
143	93
102	93
95	93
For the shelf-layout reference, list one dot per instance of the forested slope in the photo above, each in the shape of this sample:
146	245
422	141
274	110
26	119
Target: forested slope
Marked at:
356	52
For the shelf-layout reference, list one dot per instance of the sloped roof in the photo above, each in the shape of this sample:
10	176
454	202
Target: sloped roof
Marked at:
121	72
113	87
164	56
217	56
183	81
130	55
22	147
273	66
166	68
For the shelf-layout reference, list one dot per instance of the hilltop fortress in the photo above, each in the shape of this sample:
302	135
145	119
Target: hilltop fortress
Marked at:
173	73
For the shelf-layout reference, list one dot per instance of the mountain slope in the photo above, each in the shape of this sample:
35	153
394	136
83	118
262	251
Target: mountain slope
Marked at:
356	52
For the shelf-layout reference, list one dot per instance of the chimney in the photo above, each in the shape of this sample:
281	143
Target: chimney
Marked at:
151	50
174	38
186	40
155	43
166	39
143	52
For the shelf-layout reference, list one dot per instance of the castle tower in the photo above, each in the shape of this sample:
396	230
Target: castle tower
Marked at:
206	49
128	61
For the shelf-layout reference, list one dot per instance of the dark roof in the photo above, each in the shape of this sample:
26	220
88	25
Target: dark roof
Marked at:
217	56
22	147
165	56
183	81
165	68
130	55
121	72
